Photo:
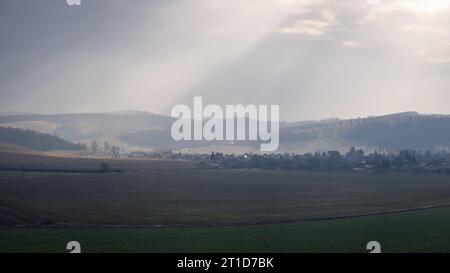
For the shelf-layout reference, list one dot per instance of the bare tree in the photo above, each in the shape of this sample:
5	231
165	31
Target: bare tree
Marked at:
94	146
107	148
115	151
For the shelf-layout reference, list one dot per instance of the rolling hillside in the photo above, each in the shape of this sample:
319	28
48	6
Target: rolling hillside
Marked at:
76	127
35	140
137	130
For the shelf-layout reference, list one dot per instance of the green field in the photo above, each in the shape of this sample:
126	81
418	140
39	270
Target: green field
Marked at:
424	231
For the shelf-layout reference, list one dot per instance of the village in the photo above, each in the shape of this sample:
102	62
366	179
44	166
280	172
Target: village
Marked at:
355	160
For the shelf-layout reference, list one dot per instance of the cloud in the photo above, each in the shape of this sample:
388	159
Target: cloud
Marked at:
423	6
148	55
306	27
440	60
351	44
311	27
416	7
424	28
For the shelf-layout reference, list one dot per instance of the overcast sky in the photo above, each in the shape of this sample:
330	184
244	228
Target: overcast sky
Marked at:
316	59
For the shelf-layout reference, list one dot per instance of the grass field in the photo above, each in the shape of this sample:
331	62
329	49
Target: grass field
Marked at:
202	197
424	231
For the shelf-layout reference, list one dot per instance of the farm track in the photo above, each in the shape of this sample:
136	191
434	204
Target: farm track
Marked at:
9	214
259	223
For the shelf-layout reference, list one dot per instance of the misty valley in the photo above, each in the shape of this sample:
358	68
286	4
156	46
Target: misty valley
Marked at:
217	135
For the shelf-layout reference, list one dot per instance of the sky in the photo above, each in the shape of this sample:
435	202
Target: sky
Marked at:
315	58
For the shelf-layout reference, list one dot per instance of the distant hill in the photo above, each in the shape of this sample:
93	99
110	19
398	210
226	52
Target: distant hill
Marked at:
77	127
137	129
14	113
395	132
35	140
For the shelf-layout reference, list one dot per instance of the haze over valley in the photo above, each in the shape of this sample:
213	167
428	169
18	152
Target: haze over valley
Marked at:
136	130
